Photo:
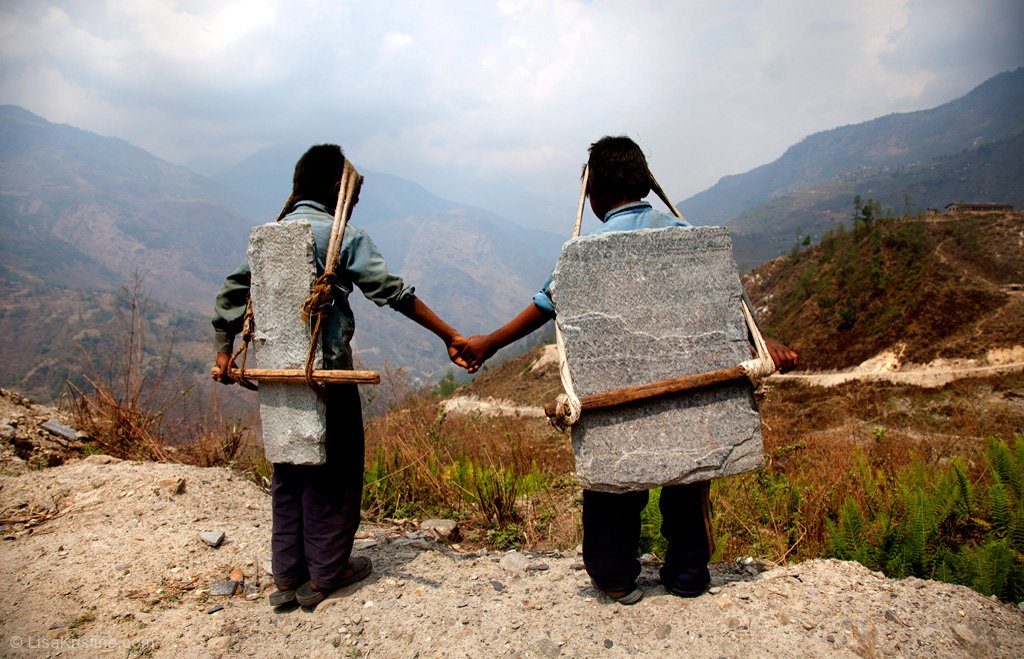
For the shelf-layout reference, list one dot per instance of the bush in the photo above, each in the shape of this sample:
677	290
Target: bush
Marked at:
932	522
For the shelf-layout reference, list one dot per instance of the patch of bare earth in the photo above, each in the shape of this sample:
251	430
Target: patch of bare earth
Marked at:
119	569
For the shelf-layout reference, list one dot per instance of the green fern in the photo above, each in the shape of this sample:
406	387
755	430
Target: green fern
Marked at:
999	505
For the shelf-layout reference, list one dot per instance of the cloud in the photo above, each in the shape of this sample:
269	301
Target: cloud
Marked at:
465	97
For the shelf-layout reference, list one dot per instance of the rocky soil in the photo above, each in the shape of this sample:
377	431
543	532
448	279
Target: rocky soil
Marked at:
103	556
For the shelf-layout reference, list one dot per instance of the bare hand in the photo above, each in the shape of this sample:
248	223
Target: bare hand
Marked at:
224	366
476	351
784	358
455	347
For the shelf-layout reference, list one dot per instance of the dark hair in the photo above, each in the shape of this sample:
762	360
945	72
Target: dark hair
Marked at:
618	169
316	177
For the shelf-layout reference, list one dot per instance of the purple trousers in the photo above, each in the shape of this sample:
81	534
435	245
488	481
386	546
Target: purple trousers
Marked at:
316	508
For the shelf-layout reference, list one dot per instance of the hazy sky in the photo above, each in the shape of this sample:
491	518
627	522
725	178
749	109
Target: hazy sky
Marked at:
485	101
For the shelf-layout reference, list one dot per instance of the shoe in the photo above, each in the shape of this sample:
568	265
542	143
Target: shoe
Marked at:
360	567
686	582
280	597
626	598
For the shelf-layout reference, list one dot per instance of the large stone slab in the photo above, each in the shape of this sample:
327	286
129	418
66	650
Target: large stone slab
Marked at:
282	260
640	306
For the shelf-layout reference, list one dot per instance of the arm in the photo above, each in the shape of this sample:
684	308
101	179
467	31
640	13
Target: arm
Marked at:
228	316
480	347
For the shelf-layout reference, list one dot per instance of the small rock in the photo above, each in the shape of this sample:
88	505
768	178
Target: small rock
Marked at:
268	567
123	568
548	648
7	431
223	588
100	459
211	538
82	436
890	615
964	634
215	609
237	575
714	590
537	567
172	485
250	587
513	562
497	585
663	631
577	566
219	643
55	427
608	643
443	529
364	544
723	603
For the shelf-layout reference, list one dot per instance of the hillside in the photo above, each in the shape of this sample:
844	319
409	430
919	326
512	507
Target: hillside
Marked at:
919	154
80	214
929	287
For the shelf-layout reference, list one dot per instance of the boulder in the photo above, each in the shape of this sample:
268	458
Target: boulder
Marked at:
282	260
641	306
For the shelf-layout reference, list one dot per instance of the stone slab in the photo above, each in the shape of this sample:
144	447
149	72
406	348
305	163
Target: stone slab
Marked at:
641	306
282	260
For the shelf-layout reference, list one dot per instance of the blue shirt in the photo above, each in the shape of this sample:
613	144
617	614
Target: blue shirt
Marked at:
629	217
359	264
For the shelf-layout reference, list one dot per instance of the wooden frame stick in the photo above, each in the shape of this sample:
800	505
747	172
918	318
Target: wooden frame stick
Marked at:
651	390
299	375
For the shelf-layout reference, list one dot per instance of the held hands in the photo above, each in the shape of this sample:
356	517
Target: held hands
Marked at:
470	353
478	350
455	347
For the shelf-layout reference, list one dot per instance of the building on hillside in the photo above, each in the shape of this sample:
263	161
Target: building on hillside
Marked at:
979	207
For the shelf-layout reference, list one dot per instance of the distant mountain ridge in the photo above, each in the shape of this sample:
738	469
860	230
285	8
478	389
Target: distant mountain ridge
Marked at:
989	115
81	213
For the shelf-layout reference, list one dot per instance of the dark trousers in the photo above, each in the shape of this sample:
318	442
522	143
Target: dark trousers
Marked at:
611	536
316	508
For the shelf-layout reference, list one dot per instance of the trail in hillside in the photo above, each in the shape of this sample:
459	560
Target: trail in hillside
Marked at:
886	367
102	556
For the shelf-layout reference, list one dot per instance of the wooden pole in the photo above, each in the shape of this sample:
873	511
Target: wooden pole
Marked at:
583	199
299	375
642	392
664	198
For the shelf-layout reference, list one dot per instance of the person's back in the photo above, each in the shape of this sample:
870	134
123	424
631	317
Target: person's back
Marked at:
317	507
618	181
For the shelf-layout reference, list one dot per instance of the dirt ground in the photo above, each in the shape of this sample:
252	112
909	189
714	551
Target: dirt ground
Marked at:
103	557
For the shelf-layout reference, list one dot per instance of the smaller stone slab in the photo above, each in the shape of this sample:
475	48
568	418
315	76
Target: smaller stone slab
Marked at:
641	306
282	261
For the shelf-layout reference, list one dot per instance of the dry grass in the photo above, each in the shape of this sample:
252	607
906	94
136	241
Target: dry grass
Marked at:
135	407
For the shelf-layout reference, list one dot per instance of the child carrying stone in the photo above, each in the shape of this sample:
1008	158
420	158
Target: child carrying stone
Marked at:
619	180
316	509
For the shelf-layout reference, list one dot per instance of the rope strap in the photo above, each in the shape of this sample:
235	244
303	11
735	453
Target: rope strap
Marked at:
321	294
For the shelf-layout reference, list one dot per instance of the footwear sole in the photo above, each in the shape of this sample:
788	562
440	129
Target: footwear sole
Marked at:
317	596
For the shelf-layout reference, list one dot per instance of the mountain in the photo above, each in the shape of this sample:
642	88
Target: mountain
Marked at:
80	214
945	286
818	177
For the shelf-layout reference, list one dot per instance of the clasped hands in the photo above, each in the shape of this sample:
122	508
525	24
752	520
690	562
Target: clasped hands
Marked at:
470	353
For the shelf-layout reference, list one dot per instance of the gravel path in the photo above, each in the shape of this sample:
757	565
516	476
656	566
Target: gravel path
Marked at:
102	556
